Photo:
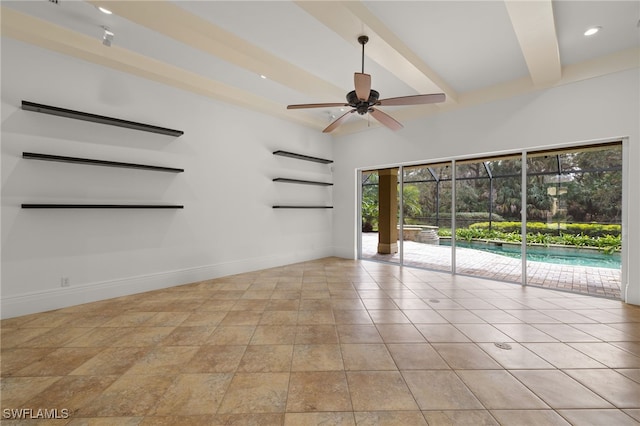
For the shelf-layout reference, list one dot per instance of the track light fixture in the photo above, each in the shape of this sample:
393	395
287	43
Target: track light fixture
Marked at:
107	37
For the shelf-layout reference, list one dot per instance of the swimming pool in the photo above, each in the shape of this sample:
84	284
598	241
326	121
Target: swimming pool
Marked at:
557	255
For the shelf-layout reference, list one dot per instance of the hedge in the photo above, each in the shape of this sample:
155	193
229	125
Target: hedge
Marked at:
587	229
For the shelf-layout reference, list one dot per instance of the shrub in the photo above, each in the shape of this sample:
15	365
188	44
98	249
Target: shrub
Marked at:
588	229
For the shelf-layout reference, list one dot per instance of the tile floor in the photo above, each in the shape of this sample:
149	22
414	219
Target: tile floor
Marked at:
330	341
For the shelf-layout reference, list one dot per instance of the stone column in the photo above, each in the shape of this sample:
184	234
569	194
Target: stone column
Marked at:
388	211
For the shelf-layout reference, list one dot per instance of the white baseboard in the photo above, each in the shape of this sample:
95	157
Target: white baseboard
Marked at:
41	301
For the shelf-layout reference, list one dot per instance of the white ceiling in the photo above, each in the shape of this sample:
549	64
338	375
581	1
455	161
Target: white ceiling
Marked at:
473	51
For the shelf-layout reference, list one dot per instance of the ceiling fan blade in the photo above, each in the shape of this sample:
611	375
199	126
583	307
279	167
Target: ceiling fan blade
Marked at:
413	100
336	123
363	85
385	119
300	106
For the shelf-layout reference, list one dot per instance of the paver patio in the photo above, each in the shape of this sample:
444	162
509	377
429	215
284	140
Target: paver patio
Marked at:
579	279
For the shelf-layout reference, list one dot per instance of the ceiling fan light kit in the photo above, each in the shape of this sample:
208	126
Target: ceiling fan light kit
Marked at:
364	99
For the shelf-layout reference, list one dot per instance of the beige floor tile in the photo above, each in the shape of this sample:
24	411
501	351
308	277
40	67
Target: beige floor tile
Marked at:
607	354
367	356
379	391
598	417
388	316
14	337
71	392
518	357
59	362
465	356
316	334
54	337
441	333
529	417
317	358
197	319
440	390
635	413
188	336
559	390
352	317
314	419
111	361
99	337
460	417
274	335
565	333
632	373
163	360
143	336
192	394
169	319
460	316
215	359
231	335
524	333
562	355
16	392
106	421
266	358
15	359
610	385
318	391
129	396
400	333
497	389
416	356
390	418
241	318
425	316
256	393
315	317
495	316
129	319
483	333
604	332
356	333
279	318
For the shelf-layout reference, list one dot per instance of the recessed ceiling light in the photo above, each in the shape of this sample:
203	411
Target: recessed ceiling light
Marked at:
105	11
262	76
591	31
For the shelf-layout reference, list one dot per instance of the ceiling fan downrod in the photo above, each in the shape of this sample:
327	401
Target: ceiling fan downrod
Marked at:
363	39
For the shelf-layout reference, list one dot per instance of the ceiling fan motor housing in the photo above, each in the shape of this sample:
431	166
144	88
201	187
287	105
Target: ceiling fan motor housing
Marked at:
362	107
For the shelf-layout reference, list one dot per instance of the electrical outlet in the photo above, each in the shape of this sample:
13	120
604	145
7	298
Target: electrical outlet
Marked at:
64	282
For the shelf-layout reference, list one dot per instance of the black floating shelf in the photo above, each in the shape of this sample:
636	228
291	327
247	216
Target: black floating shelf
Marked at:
302	207
85	116
77	160
302	157
304	182
101	206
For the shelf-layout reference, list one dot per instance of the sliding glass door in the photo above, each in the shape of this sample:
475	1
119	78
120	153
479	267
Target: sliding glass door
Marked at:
426	213
566	204
487	220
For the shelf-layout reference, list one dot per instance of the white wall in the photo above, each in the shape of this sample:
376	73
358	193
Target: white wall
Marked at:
599	108
228	224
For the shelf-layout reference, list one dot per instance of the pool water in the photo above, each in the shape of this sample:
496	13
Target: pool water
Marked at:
561	256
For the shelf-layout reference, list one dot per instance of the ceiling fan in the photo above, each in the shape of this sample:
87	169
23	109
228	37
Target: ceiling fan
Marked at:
364	99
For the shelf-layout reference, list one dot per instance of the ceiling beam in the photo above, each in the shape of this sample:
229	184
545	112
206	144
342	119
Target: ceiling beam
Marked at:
179	24
350	19
44	34
535	29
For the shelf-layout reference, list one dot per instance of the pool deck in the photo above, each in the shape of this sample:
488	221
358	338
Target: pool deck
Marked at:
579	279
